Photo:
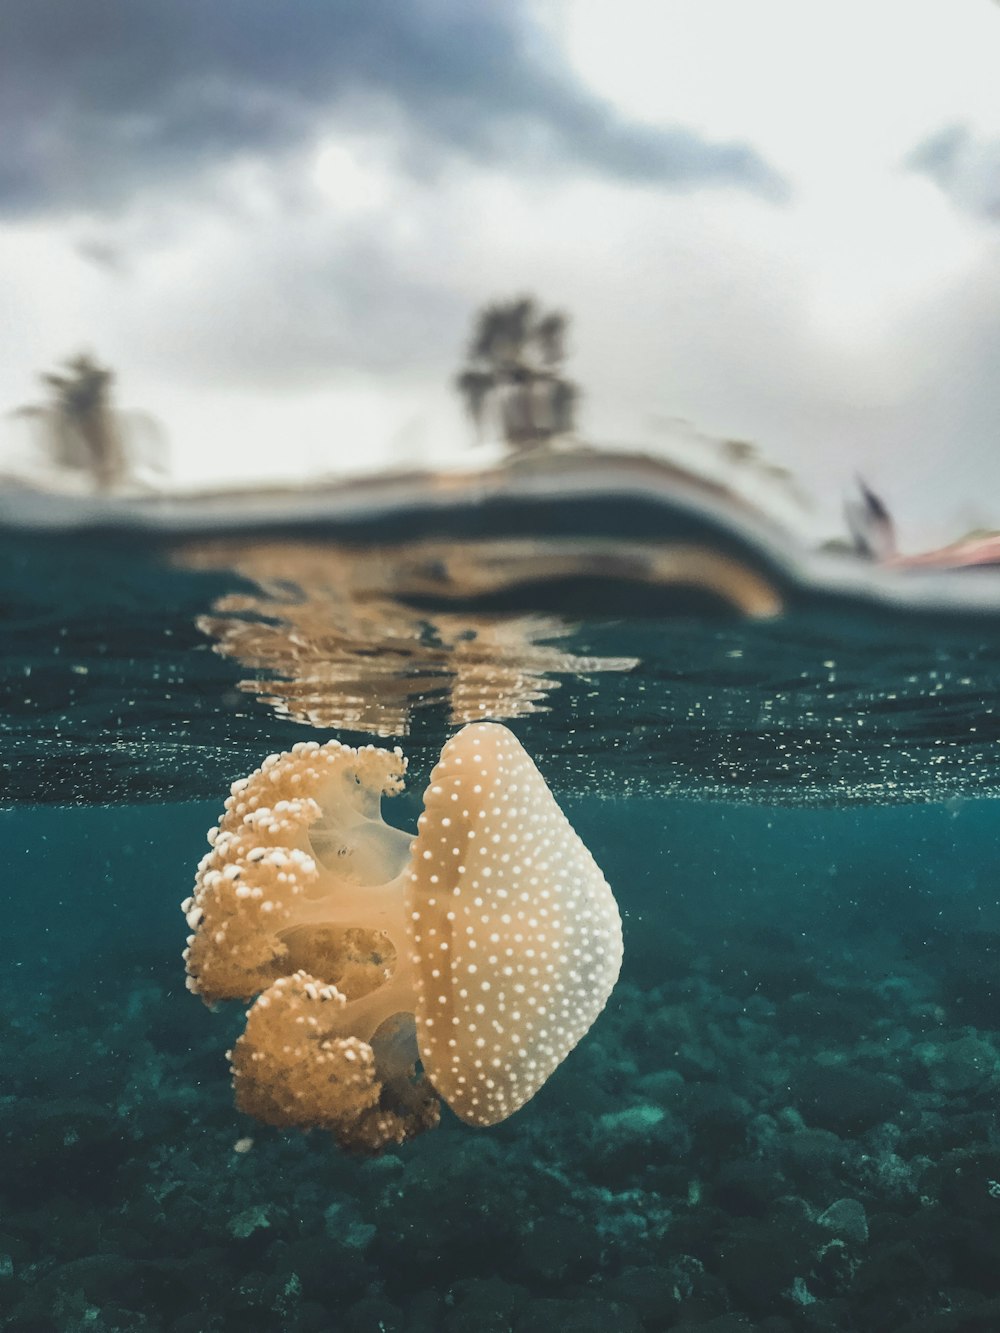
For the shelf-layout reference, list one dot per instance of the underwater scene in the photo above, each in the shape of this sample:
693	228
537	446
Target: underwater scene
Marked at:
598	928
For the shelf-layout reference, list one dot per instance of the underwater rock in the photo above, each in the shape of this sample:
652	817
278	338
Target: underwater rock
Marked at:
967	1182
560	1248
846	1218
744	1188
960	1064
486	1305
581	1315
844	1100
375	1314
759	1261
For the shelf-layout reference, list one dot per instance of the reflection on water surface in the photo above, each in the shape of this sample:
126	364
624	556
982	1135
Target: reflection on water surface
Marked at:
646	635
342	637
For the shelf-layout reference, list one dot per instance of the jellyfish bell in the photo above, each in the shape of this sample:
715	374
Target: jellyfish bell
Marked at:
516	935
486	946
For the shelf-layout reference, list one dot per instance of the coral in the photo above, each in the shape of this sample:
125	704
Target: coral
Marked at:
485	947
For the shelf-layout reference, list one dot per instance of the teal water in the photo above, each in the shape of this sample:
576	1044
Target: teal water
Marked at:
785	1118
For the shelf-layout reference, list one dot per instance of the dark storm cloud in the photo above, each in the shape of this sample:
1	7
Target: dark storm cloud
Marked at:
99	98
965	168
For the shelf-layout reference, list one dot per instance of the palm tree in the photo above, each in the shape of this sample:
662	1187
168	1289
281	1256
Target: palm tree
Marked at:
550	334
475	386
79	424
515	361
80	429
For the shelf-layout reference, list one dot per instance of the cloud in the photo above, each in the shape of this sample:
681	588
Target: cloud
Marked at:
967	169
295	307
99	100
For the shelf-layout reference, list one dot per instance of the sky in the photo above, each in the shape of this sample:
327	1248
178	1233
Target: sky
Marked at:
774	222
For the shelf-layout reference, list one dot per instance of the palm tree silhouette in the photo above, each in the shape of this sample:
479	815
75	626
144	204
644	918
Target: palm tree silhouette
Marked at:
79	422
515	374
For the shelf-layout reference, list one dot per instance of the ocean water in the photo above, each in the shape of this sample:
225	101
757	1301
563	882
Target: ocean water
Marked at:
786	767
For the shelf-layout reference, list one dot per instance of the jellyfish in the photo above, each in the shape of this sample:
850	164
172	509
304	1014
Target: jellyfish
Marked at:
389	973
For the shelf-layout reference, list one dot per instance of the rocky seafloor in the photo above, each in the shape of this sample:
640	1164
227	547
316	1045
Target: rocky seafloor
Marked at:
771	1127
